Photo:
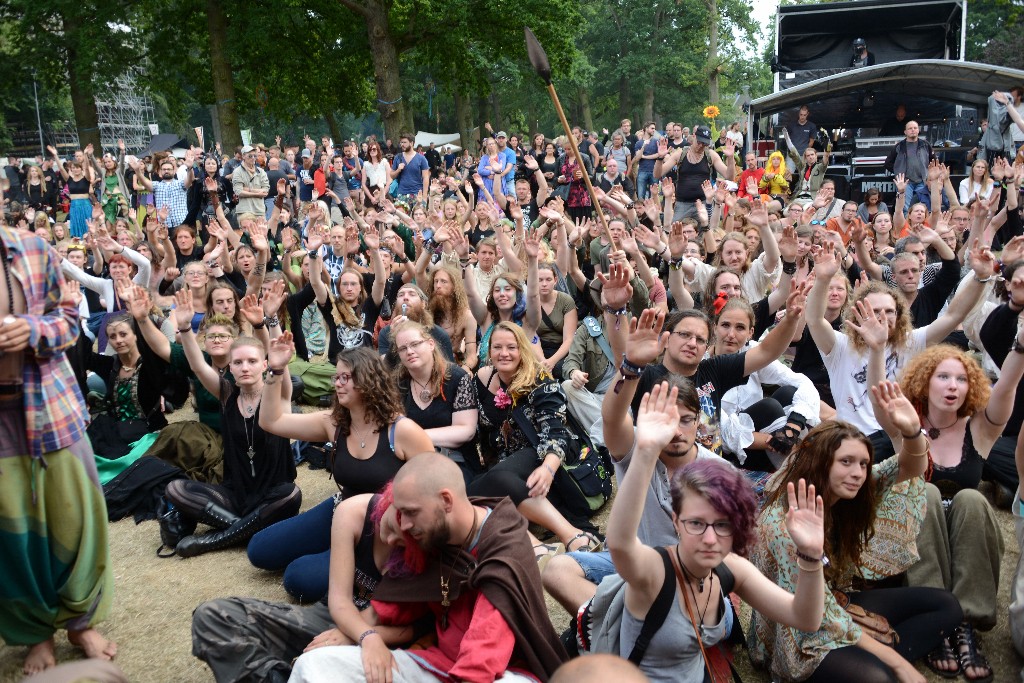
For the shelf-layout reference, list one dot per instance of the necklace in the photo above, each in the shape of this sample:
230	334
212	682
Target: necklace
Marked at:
250	438
445	602
247	404
933	431
362	439
700	589
425	393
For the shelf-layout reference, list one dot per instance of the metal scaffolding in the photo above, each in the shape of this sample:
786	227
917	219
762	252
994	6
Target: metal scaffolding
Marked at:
125	112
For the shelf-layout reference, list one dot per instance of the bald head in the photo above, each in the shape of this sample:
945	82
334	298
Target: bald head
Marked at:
430	473
599	668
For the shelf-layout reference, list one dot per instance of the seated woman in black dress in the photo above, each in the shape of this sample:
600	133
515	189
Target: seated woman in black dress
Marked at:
522	411
438	396
259	472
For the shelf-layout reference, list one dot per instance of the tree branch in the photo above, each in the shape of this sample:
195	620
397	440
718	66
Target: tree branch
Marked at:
357	7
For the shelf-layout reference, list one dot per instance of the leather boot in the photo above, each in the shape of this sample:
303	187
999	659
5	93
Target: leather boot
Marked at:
217	517
238	533
174	526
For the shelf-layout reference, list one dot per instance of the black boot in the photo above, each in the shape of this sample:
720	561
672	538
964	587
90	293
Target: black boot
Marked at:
238	533
217	517
174	526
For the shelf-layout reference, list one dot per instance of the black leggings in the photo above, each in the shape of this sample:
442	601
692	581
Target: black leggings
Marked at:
763	413
921	616
281	501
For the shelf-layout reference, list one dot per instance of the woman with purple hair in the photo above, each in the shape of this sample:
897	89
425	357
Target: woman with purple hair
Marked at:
713	510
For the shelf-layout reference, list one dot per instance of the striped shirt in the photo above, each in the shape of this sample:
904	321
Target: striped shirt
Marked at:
172	194
55	412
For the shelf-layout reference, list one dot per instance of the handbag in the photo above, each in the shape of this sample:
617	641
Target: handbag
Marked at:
875	625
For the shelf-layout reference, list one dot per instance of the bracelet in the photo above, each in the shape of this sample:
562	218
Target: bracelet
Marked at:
978	279
789	268
545	466
276	371
616	311
677	264
272	321
260	325
916	455
313	254
365	634
913	436
628	367
803	568
661	252
185	329
823	561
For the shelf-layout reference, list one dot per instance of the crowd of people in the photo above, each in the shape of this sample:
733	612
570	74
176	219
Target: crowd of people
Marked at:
801	398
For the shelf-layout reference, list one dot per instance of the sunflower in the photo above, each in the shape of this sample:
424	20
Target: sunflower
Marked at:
711	112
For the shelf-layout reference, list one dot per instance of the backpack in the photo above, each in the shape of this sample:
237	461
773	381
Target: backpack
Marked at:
600	619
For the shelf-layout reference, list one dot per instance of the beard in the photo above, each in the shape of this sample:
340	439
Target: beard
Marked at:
442	308
434	539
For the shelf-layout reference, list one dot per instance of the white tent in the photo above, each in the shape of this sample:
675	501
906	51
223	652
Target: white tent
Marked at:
439	139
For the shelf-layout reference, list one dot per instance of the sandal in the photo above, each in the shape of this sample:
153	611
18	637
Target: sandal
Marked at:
943	654
593	543
969	654
543	552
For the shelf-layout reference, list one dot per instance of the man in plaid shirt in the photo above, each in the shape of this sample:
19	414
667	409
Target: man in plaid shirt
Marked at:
169	191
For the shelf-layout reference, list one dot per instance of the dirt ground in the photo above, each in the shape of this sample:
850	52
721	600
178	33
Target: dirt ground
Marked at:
154	599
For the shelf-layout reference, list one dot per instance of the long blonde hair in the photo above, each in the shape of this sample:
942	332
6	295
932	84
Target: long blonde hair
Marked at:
530	370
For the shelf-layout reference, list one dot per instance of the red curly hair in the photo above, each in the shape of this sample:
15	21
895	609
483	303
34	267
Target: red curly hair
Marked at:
918	374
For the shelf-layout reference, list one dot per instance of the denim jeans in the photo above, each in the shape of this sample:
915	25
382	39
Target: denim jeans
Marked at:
917	192
644	180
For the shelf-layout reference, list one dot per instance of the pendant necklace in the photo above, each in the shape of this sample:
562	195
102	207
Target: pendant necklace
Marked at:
362	439
250	437
249	408
933	431
700	589
445	602
425	393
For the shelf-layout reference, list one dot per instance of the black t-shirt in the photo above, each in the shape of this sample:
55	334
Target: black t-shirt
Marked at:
273	177
530	211
931	298
458	394
713	378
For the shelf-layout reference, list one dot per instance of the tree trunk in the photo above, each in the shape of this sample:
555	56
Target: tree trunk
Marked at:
83	102
624	101
588	117
713	65
332	125
464	119
496	109
648	104
220	67
483	116
394	113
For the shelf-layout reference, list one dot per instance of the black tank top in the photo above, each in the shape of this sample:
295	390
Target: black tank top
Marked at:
690	177
367	575
966	474
355	476
78	186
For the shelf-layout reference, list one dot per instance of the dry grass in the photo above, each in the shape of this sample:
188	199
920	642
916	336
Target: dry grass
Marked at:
151	618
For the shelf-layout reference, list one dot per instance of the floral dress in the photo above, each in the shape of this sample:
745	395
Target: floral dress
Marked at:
578	195
788	653
542	411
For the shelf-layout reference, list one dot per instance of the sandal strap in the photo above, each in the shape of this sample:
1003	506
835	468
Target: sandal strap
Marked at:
972	657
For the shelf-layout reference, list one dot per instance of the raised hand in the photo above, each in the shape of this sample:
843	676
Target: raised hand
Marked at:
788	244
983	263
898	407
872	328
668	189
805	519
616	291
71	291
901	182
657	419
183	309
826	263
758	213
1013	250
281	350
210	184
371	238
646	236
721	191
273	297
702	212
646	341
676	240
251	309
532	245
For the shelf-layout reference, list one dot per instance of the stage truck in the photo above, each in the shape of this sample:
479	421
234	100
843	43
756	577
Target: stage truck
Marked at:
914	60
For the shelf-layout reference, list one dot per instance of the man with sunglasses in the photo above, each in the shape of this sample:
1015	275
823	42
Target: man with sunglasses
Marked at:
251	186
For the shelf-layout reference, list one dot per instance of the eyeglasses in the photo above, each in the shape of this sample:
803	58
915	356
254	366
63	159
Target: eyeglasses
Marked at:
689	336
219	337
816	222
697	527
412	346
342	378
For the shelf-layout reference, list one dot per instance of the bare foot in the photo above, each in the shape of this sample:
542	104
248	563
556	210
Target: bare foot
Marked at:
95	645
40	657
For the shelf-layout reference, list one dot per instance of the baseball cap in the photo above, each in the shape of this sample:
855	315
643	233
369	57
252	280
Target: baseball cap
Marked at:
501	134
247	149
702	134
306	153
